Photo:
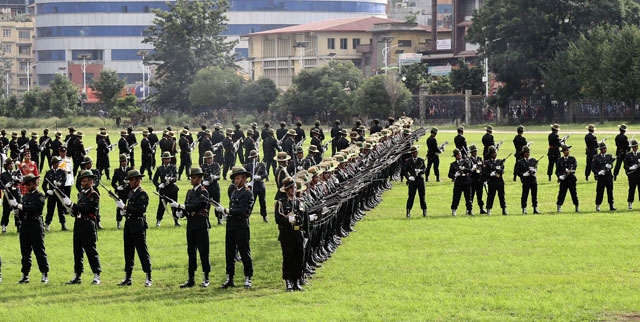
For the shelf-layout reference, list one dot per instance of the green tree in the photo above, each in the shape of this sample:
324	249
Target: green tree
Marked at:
467	77
441	85
414	76
258	95
13	107
63	98
382	96
107	87
187	38
216	88
125	107
31	103
621	64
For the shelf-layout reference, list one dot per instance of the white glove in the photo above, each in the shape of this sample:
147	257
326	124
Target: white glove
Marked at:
601	173
215	178
313	217
120	188
474	167
50	192
206	183
457	174
220	209
609	165
526	174
13	202
562	177
498	167
120	204
412	178
15	178
300	168
9	184
57	183
292	219
20	206
161	186
174	204
493	173
532	169
257	178
633	167
66	201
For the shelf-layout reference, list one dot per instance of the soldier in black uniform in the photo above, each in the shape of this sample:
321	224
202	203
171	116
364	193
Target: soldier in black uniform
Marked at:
259	172
45	143
211	177
196	209
200	134
147	154
487	141
23	141
85	232
282	131
119	184
123	145
300	135
375	128
165	181
14	148
526	169
238	233
56	144
58	177
217	137
433	155
185	153
290	219
477	180
554	149
601	167
316	125
270	149
281	172
311	158
34	148
519	141
249	143
591	142
11	180
69	139
134	208
296	164
229	153
566	172
461	142
265	130
289	143
335	136
238	135
131	139
459	171
342	142
622	148
87	164
631	165
78	152
204	145
32	230
255	135
172	147
414	168
153	141
493	172
315	140
102	164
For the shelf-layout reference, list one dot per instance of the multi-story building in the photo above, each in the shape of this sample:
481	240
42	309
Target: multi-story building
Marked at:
110	33
17	40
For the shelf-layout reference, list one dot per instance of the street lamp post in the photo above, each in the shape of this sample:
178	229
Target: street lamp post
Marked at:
28	72
385	51
303	45
144	89
62	69
84	58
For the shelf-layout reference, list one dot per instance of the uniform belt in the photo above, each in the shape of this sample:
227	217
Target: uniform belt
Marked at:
553	147
200	214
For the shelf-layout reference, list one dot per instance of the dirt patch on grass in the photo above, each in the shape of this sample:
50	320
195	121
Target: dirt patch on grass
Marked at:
632	316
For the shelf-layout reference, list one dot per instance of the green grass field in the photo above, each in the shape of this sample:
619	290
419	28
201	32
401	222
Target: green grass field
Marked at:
561	267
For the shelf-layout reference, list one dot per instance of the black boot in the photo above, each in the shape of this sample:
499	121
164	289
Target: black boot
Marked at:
148	282
228	283
482	211
297	286
205	280
265	219
504	211
45	278
75	280
24	279
126	281
190	282
247	282
96	279
64	227
289	285
176	222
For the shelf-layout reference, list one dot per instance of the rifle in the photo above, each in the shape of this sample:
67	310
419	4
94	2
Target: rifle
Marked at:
564	139
154	147
325	146
441	148
9	196
603	140
132	146
301	142
66	143
60	195
216	147
44	143
529	144
111	146
88	149
24	146
535	165
499	144
164	200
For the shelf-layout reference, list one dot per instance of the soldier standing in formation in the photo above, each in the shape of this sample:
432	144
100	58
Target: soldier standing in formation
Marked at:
566	172
102	152
14	149
289	143
45	143
85	233
319	130
69	140
282	131
300	135
238	135
414	168
591	142
131	140
461	142
153	140
622	148
31	230
459	171
433	155
185	153
165	181
229	153
493	172
249	143
238	233
477	179
336	134
519	141
11	180
317	142
281	172
526	169
270	149
375	128
601	167
58	177
134	208
290	221
487	141
147	154
56	144
118	183
342	142
631	165
210	179
257	185
34	149
196	209
554	149
78	152
204	144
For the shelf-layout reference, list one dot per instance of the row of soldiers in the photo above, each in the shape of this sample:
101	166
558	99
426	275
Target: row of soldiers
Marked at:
315	208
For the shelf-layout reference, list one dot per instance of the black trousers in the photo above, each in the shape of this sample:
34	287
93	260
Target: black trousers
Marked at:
240	155
198	240
173	194
261	197
229	162
153	160
604	182
238	239
434	161
52	202
132	161
85	242
44	156
136	242
33	241
634	183
270	163
529	186
333	147
553	159
292	256
562	193
76	166
458	190
147	163
476	191
214	193
587	169
185	163
619	161
494	187
6	212
418	186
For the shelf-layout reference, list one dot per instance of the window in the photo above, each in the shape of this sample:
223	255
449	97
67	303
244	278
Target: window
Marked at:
89	78
145	9
23	82
331	43
45	79
95	54
50	55
23	65
125	9
25	50
356	42
343	43
24	34
7	65
125	54
404	43
6	33
7	48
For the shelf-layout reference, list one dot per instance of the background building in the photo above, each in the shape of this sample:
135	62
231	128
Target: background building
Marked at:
17	39
111	32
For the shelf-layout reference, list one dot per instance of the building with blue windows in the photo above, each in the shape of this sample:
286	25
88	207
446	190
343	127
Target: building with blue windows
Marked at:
109	34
